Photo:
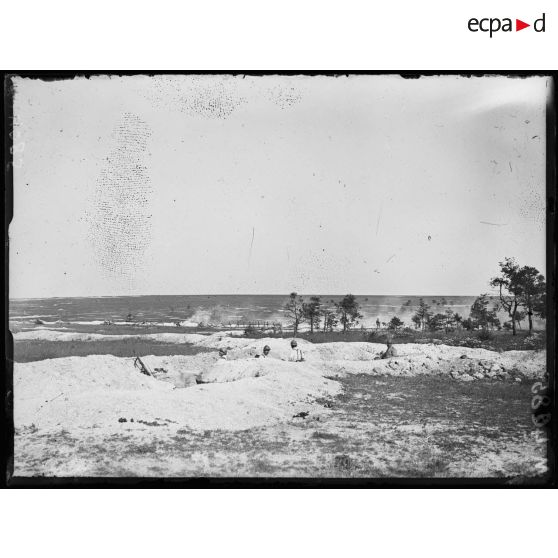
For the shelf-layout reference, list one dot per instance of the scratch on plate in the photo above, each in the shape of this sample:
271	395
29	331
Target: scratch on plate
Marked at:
378	222
493	224
251	245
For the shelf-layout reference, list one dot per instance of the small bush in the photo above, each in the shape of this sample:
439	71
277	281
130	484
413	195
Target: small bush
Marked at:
471	342
250	330
485	335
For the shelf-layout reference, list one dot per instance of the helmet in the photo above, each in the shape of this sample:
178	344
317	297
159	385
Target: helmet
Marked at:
293	343
222	351
267	348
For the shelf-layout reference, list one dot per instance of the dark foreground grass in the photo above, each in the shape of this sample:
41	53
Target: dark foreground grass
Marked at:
120	329
32	350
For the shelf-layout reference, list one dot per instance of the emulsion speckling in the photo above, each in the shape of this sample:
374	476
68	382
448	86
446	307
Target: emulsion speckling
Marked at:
119	218
211	97
284	96
533	206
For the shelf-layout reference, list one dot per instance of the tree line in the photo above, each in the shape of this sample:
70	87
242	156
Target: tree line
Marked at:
521	293
322	314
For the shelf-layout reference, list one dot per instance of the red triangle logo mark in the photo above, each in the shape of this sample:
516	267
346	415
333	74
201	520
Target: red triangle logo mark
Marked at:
519	25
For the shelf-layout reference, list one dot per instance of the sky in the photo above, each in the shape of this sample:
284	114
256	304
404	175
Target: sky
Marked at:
270	184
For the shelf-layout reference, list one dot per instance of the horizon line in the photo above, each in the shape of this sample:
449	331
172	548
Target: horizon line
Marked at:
245	294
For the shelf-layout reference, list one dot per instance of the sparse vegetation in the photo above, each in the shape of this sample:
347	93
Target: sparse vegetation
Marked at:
481	316
422	315
29	351
520	287
312	312
348	310
294	310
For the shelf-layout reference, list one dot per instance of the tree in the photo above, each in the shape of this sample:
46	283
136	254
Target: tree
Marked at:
449	321
540	306
348	311
520	286
330	318
422	314
481	315
508	288
457	319
519	317
312	312
395	323
416	320
533	292
437	321
294	308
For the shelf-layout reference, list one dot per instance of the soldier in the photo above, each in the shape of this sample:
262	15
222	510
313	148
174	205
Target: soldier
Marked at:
265	352
390	351
295	354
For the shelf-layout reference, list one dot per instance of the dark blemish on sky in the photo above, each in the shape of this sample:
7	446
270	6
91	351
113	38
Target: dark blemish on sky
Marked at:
494	224
119	219
217	98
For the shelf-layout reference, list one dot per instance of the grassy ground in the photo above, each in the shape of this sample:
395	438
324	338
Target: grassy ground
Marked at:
32	350
497	340
124	329
378	427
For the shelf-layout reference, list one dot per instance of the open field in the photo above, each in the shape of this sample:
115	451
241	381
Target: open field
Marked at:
38	349
377	427
435	411
33	350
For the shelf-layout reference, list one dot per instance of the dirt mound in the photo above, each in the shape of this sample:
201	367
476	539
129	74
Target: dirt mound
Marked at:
457	362
234	370
96	391
336	358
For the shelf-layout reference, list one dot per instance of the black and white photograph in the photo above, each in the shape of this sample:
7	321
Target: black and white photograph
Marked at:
280	276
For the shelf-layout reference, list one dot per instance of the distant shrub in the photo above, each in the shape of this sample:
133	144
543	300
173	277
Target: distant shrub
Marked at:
471	342
250	330
532	342
485	335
